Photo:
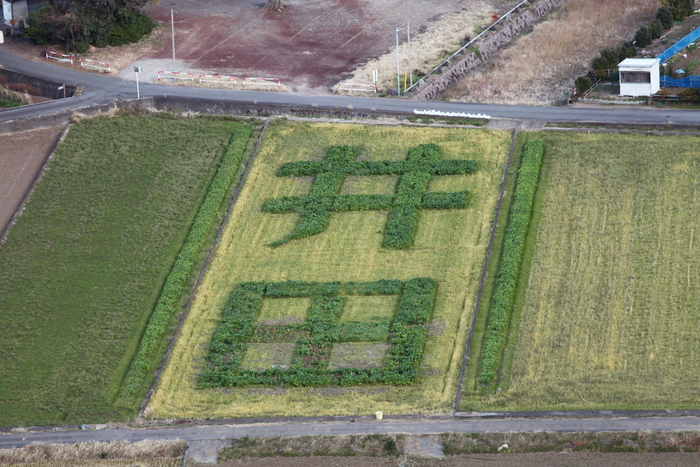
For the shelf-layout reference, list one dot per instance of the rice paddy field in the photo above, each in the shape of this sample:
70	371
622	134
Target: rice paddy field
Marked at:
606	311
85	263
449	246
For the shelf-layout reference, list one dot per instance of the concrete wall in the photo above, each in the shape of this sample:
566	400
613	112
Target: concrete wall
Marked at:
47	88
487	47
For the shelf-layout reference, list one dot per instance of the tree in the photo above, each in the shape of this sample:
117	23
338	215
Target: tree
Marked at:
680	8
656	29
643	37
276	5
665	16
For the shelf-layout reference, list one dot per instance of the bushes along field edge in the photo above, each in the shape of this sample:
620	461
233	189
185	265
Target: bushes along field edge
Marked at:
507	275
177	280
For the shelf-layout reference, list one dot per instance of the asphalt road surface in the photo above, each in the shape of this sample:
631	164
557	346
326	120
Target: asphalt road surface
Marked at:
101	89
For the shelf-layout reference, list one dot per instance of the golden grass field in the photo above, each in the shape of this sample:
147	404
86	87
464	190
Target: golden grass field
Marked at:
609	310
449	246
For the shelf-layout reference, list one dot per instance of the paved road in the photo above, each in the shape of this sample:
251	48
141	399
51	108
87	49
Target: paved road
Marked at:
100	89
346	428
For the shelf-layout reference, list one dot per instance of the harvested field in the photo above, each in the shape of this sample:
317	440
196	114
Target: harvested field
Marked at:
608	309
540	67
449	246
21	158
84	264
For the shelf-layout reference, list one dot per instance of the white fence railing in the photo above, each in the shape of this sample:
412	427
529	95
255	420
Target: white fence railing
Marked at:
219	79
262	82
357	87
59	57
175	75
86	63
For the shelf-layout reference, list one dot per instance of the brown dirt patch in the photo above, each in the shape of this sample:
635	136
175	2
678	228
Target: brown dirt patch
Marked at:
21	157
571	459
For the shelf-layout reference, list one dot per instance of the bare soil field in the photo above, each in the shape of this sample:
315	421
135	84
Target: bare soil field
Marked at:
310	45
549	459
22	155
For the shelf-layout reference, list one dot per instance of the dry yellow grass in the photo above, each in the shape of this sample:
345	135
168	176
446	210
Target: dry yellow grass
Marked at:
157	452
540	68
449	246
610	311
441	38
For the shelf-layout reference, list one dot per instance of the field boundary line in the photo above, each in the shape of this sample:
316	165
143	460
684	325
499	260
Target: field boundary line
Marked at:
203	272
30	190
477	304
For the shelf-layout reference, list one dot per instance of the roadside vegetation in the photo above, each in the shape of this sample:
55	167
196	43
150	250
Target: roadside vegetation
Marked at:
85	263
448	246
605	302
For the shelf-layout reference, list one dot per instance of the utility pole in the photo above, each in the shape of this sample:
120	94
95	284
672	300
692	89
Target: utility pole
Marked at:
172	22
12	21
408	35
398	69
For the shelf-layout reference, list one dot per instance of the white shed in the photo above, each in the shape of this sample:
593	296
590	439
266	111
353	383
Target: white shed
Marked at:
19	8
639	76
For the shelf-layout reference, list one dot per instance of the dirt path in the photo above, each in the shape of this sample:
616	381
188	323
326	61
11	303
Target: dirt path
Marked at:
21	157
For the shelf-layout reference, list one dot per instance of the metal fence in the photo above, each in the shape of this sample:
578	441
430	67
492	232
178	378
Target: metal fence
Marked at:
687	82
680	45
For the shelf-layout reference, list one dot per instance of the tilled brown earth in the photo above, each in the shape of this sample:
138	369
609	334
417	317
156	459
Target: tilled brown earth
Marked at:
547	459
21	157
310	44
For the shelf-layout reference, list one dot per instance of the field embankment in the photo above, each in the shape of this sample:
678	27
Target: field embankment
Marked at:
84	265
448	246
606	306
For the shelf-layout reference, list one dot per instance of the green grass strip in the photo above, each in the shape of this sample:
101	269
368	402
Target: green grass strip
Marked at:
511	256
176	283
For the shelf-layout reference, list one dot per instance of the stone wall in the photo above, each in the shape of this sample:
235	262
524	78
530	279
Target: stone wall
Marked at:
488	47
48	89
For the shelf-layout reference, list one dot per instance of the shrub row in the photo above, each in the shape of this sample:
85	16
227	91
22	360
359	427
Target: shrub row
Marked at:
176	282
507	276
420	165
406	334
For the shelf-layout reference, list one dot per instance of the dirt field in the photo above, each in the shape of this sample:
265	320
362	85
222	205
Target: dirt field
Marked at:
22	155
548	459
311	44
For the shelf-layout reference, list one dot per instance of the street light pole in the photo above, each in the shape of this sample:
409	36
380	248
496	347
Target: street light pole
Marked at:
398	69
408	35
172	23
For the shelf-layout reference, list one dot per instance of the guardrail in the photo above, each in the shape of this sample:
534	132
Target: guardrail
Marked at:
59	57
263	82
446	61
87	63
357	87
175	75
221	79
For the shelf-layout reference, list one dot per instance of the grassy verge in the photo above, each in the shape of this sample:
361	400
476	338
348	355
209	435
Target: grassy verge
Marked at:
511	256
608	306
455	444
85	263
449	246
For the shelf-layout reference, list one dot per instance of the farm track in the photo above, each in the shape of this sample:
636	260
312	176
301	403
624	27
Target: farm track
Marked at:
99	89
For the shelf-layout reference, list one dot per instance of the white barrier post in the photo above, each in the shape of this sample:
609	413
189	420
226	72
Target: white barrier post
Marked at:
358	87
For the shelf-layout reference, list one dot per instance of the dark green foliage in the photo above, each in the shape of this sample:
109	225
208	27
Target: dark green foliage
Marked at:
511	255
656	29
627	50
680	8
416	171
176	283
611	56
642	37
665	17
405	334
131	29
583	84
81	23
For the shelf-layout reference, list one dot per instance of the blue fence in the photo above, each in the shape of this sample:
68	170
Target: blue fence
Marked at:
687	82
680	45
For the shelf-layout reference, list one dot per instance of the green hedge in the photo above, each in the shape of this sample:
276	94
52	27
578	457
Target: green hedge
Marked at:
405	334
507	276
421	164
176	283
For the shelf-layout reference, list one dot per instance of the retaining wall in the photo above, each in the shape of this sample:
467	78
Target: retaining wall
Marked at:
49	89
488	47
